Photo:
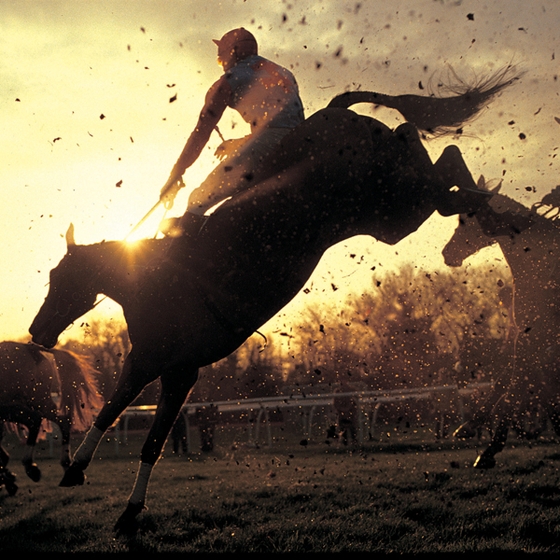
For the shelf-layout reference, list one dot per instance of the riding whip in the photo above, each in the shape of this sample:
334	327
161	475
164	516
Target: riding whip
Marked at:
170	195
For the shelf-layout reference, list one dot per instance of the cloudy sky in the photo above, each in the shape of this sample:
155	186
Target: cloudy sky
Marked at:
98	98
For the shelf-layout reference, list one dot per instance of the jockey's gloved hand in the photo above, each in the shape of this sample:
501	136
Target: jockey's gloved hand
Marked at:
229	148
169	192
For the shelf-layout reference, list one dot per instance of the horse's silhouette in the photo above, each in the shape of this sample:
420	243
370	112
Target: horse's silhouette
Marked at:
531	246
28	381
337	175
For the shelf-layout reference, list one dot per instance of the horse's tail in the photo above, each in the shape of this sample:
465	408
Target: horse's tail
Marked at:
439	115
78	388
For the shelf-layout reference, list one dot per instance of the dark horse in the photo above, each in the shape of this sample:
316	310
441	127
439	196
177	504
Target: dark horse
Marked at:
337	175
34	388
531	246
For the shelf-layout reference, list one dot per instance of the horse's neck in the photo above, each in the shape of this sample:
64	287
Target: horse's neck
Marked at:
533	254
116	267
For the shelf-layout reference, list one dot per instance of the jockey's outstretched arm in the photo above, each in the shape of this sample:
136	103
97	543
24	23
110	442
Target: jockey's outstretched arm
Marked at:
214	107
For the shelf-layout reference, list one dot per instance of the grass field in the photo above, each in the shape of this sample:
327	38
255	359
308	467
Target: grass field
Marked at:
406	493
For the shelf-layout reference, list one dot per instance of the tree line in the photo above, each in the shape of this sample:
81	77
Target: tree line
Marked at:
411	328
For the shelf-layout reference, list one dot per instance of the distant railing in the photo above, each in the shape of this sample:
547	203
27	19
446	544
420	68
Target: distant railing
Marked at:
369	401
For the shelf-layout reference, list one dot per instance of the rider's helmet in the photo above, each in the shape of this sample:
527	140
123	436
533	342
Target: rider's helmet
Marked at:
237	43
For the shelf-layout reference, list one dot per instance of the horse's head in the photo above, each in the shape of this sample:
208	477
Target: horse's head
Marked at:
71	294
469	236
468	239
501	217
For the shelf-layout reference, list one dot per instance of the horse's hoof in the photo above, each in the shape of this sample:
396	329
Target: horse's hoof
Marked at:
127	525
484	461
8	479
11	488
33	472
74	476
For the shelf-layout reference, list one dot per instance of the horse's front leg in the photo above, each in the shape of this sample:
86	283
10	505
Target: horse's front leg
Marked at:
174	391
132	380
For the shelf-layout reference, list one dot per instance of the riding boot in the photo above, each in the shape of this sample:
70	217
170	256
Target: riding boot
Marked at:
189	226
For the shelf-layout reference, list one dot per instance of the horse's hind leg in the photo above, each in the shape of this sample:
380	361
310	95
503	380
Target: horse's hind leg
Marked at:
453	170
450	170
7	478
487	459
483	414
64	423
31	468
503	411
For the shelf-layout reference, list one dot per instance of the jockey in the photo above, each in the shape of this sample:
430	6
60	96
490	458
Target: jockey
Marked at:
266	96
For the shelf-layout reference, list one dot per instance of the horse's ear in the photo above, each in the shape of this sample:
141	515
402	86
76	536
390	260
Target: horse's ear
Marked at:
70	236
497	188
484	185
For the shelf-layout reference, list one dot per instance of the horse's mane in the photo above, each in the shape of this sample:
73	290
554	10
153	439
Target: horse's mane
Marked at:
79	390
506	216
551	204
503	204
